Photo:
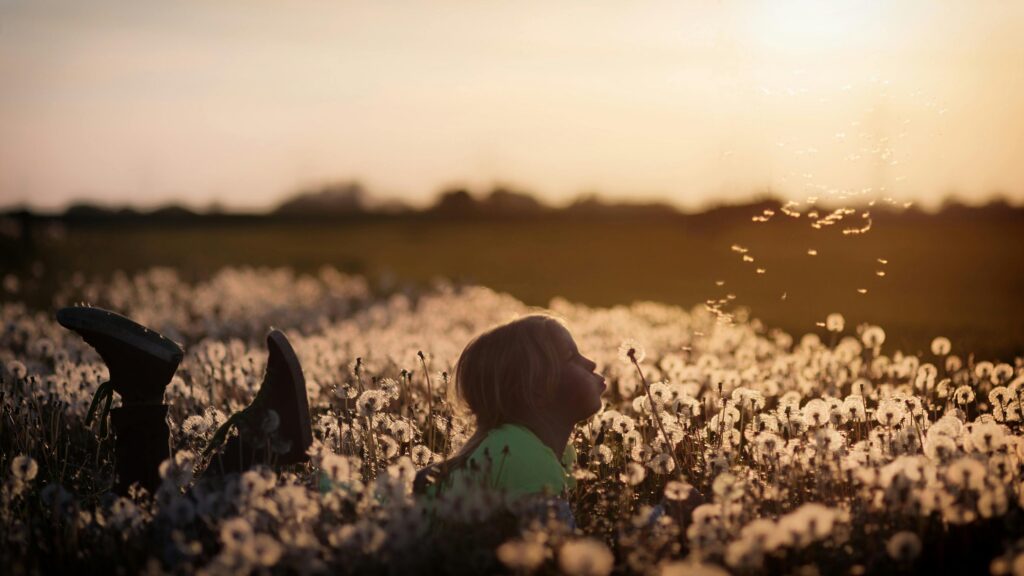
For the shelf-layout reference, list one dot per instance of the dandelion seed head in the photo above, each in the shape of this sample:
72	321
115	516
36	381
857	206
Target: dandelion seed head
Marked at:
24	468
585	557
873	336
941	346
631	351
236	533
521	555
835	322
16	369
634	474
903	546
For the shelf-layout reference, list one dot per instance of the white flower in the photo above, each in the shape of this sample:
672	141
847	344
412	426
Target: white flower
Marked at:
371	402
873	336
24	468
602	454
17	369
809	523
903	546
236	533
816	412
422	456
336	467
890	413
662	463
521	555
963	395
585	557
691	568
941	346
263	550
401	431
194	425
966	472
633	475
631	351
835	322
390	387
677	490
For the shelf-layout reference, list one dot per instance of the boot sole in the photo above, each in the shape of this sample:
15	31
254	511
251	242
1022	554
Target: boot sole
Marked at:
89	320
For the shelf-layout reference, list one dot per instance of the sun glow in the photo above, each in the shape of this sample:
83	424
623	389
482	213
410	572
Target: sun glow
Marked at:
810	26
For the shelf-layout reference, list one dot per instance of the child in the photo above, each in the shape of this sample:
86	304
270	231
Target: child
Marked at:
528	386
141	363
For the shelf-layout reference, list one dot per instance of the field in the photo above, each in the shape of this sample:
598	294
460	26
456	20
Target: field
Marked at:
814	455
957	274
887	440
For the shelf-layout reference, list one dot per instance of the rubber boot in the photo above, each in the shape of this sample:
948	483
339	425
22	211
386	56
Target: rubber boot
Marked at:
141	363
140	444
284	391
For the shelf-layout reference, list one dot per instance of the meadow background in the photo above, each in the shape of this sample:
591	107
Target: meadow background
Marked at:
957	272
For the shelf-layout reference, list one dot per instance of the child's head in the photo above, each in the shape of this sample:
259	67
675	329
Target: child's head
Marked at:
527	369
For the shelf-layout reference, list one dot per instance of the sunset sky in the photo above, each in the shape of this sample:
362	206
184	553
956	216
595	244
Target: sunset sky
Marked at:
243	102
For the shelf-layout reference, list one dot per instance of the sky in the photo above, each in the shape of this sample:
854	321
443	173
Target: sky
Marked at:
241	103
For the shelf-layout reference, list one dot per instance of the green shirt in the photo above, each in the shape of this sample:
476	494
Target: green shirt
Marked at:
519	462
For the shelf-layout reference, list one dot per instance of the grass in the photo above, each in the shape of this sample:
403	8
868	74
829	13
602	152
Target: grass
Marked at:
958	276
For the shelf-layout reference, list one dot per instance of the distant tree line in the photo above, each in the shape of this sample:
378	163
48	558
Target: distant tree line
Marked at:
351	199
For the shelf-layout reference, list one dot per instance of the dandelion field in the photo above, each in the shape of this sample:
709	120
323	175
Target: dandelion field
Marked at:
827	452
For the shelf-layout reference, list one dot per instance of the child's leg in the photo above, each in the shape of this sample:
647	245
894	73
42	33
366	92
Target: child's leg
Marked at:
141	363
264	438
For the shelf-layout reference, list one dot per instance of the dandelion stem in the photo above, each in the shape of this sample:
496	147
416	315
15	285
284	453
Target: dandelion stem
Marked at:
430	400
654	411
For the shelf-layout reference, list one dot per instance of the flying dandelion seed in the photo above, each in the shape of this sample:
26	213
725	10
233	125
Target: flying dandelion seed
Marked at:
784	294
761	270
883	261
879	273
812	252
738	249
748	258
862	290
719	282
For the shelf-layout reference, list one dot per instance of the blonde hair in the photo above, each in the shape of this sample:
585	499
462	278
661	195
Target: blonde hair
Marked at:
504	373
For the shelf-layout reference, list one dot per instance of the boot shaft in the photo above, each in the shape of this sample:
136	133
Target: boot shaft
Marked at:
141	437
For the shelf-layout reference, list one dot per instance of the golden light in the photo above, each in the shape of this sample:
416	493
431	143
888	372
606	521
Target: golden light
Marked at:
808	26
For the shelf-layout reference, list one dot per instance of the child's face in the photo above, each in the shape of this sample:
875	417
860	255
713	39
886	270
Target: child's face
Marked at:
579	396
